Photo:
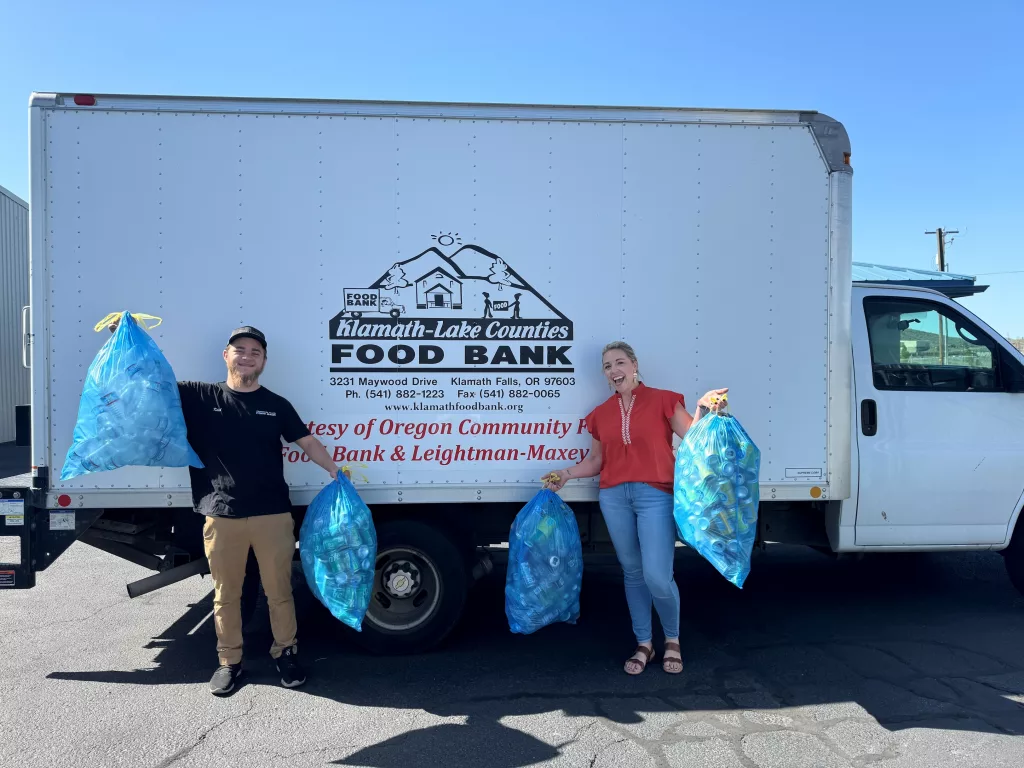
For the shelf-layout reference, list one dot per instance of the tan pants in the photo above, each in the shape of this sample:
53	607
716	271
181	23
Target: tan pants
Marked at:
227	542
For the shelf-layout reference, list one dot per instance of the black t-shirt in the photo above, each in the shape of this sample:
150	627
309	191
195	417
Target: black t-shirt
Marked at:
237	435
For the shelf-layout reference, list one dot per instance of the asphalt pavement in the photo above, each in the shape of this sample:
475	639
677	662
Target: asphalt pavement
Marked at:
897	661
893	661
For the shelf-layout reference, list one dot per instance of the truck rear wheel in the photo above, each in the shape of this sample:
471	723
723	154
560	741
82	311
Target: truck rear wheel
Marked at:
419	592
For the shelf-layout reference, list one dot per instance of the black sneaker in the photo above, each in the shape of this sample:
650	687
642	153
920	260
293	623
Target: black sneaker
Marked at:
224	679
292	674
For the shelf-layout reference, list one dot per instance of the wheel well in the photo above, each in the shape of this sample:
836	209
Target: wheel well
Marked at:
794	522
1017	536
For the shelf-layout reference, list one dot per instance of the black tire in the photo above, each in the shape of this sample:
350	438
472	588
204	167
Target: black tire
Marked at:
1013	557
419	558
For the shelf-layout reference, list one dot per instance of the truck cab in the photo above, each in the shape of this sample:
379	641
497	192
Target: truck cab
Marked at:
938	427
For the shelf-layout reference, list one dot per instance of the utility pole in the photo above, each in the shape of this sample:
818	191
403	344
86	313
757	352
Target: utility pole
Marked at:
940	256
940	259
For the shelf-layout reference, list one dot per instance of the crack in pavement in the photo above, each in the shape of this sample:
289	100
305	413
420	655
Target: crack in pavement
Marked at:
963	706
958	709
578	735
184	752
58	622
602	750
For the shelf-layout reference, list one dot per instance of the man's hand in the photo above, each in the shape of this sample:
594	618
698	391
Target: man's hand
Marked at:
334	473
113	326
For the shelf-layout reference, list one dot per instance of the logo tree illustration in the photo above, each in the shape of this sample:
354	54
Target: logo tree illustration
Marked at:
396	278
499	274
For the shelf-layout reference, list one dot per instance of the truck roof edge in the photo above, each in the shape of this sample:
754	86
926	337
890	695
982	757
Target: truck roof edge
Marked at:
832	138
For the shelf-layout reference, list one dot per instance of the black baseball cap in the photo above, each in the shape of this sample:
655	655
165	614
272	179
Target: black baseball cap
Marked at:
251	332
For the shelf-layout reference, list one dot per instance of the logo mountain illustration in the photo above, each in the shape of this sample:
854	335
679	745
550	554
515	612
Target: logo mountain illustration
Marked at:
432	284
472	286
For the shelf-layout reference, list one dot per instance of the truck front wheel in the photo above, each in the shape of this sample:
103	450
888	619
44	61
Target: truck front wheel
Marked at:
420	588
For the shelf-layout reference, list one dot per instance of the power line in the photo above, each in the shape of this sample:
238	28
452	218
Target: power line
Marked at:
1010	272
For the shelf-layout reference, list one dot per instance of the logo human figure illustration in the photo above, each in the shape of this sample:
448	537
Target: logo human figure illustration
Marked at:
487	305
515	307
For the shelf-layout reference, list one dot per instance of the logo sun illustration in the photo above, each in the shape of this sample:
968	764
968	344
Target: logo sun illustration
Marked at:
446	239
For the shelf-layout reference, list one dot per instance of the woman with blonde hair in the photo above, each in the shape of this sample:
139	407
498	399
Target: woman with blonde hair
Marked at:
632	452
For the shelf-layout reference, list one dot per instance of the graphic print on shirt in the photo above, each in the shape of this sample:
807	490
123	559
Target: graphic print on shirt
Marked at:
449	308
626	413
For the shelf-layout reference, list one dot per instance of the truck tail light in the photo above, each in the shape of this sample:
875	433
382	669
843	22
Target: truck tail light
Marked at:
85	100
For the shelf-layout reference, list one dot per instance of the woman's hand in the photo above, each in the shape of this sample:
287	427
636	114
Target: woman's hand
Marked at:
715	399
554	481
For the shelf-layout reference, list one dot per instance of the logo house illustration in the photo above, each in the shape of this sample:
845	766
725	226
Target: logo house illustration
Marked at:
444	291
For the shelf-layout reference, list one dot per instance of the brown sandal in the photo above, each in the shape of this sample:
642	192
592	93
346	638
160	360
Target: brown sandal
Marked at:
672	646
648	654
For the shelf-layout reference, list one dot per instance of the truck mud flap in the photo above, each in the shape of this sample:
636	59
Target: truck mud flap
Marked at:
32	538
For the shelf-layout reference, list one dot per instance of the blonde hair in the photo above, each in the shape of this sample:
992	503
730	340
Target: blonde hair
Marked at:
622	347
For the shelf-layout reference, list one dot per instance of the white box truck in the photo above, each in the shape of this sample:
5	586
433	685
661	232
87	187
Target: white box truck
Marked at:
511	242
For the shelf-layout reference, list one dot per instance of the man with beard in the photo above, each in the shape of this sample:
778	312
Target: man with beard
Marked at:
235	427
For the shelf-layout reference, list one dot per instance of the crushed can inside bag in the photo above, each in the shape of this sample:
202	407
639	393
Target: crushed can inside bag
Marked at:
338	549
545	565
130	410
716	495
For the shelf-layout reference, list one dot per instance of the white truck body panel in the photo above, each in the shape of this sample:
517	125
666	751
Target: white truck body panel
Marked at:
14	378
717	243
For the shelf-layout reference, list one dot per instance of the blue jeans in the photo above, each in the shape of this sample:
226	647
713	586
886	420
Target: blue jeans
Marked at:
643	531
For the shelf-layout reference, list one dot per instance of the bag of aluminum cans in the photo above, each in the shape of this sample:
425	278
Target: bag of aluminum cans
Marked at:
338	549
129	414
545	565
717	493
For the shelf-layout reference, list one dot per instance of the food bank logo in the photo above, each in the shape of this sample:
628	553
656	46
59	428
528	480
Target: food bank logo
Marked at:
472	296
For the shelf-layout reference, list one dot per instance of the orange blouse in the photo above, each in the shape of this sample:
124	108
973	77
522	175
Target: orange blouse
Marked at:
636	440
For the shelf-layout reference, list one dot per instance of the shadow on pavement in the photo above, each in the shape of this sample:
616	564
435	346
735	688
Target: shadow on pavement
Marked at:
480	741
908	640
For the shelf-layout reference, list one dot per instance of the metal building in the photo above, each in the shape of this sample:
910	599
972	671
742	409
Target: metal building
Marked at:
953	285
14	377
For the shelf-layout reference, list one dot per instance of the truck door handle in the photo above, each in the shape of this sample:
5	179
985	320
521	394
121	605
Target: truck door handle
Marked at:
869	417
26	337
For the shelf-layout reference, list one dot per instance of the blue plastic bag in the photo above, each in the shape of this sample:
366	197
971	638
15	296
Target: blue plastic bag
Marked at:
338	549
130	410
716	494
545	565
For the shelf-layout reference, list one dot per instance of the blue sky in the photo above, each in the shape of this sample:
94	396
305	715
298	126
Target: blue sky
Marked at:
931	92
